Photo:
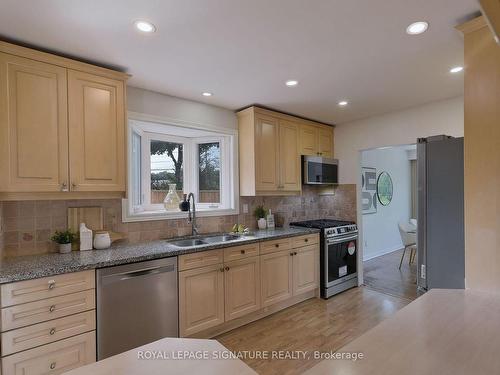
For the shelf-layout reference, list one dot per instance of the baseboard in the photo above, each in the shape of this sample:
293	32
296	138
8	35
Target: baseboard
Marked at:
383	252
252	317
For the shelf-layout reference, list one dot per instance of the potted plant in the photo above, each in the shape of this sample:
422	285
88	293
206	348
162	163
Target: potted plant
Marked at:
260	214
64	239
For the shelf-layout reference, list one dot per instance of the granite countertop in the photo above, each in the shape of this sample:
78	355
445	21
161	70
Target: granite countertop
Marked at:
35	266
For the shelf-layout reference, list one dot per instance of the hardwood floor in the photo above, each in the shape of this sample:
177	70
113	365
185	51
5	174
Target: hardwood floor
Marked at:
313	325
382	274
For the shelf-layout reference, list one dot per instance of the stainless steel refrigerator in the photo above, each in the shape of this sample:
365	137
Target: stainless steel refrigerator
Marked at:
440	233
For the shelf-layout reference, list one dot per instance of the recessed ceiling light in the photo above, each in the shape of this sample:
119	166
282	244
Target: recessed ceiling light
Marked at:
417	28
292	83
145	26
343	103
206	94
456	69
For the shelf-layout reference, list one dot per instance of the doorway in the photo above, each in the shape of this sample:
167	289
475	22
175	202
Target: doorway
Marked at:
388	205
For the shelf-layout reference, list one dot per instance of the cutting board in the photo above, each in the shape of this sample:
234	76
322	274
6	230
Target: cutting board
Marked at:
93	218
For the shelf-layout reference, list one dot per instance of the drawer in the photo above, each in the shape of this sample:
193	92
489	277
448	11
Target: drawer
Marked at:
241	252
200	259
47	309
52	359
47	332
309	239
37	289
267	247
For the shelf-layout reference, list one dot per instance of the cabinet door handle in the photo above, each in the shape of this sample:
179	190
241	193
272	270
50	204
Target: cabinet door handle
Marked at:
291	254
221	269
74	186
64	186
277	245
52	284
52	365
227	268
306	240
52	308
242	251
52	331
295	253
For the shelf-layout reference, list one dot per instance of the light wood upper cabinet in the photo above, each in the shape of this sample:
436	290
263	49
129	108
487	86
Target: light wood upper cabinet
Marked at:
242	287
201	299
325	142
316	140
290	177
305	269
33	126
270	149
267	153
62	124
309	140
96	132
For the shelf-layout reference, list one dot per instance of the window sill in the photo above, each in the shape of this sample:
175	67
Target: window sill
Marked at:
128	217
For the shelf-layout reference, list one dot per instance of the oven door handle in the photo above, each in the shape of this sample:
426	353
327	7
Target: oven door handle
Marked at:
341	239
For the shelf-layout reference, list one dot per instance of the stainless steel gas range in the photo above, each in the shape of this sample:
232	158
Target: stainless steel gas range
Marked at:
338	254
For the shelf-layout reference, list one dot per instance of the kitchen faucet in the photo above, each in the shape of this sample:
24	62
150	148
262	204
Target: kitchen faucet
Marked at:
191	217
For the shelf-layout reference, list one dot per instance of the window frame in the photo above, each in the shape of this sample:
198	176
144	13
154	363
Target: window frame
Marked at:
229	180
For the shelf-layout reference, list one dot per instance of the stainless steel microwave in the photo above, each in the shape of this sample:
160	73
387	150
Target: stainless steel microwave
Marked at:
320	171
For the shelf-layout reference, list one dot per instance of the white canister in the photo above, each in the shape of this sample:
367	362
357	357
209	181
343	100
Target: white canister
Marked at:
102	240
262	223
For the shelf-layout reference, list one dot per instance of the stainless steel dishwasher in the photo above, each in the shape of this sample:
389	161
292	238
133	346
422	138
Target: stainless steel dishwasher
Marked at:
136	304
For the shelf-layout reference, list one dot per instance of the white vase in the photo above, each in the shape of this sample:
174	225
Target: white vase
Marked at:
65	248
171	201
261	223
102	240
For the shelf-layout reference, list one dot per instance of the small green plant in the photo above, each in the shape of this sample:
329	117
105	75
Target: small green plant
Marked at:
63	237
260	212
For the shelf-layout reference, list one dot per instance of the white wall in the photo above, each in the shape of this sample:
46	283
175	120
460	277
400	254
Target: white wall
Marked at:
179	110
397	128
380	229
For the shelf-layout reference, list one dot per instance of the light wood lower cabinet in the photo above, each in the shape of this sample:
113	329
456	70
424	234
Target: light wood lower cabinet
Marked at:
53	359
276	277
201	299
48	324
262	275
305	269
241	287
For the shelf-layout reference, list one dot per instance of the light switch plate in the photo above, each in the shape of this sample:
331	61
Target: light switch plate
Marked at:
245	208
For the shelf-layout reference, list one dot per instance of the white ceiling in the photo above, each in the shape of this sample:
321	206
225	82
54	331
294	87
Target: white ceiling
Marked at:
244	51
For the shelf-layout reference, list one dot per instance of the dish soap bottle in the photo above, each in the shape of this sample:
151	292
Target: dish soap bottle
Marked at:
270	220
85	237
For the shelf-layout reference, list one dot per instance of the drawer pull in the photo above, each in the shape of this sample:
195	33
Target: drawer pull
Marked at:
52	331
291	254
52	308
306	240
52	365
52	284
243	251
277	245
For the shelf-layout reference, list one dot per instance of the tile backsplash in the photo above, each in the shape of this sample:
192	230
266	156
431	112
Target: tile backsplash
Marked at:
26	226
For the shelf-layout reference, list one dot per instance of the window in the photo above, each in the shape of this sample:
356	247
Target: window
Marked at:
194	160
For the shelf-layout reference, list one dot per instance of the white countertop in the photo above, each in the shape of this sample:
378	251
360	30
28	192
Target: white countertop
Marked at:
173	356
444	332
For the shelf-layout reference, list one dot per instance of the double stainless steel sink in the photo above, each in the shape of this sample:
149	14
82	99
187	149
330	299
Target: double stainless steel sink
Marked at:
207	240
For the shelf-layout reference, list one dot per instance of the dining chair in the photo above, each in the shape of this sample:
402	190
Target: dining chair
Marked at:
408	233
